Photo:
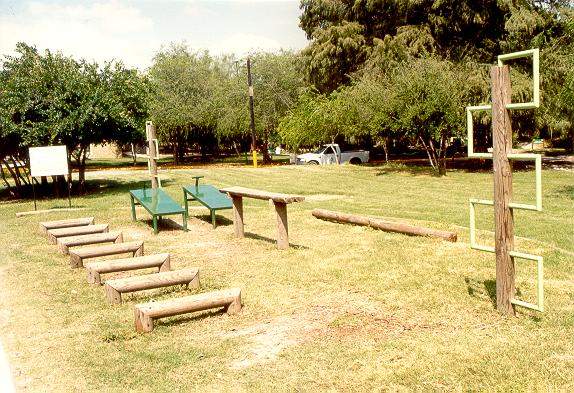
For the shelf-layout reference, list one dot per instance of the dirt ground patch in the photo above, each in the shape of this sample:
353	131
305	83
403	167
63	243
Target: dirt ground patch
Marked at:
335	315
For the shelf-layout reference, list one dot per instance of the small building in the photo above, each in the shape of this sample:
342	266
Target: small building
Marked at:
105	150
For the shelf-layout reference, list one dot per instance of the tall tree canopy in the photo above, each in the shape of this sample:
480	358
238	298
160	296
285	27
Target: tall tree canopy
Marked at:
344	33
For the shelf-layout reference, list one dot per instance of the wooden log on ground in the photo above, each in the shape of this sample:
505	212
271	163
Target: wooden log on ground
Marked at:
146	313
96	269
383	225
115	288
72	222
58	210
64	243
78	256
54	234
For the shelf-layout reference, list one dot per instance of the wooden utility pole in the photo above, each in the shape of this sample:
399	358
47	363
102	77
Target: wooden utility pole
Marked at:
253	143
152	156
503	217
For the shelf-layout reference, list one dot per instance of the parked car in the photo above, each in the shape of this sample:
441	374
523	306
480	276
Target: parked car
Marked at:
331	154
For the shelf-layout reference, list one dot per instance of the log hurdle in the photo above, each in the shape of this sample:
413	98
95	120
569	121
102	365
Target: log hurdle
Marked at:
146	313
78	256
55	234
115	288
64	243
96	269
72	222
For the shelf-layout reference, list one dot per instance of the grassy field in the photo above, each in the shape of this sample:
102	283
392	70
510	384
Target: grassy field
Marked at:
345	309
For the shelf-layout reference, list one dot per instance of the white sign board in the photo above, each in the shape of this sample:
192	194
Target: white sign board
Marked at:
48	161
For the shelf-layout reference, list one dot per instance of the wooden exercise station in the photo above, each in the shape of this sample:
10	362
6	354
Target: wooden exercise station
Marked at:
280	201
71	234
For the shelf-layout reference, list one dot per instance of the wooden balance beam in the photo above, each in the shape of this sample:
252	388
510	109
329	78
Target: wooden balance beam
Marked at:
55	234
64	243
398	227
78	256
73	222
96	269
280	202
115	288
146	313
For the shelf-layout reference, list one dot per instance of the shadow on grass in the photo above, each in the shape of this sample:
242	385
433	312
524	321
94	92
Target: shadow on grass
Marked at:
165	224
95	187
219	220
273	241
482	289
567	190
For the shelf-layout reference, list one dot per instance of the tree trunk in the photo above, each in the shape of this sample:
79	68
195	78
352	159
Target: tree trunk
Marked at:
10	190
386	149
266	158
81	160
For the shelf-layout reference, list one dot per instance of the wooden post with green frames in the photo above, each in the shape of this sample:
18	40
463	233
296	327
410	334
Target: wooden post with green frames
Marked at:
503	205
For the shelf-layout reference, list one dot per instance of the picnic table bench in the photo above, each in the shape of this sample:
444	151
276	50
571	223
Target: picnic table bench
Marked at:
208	196
280	202
157	203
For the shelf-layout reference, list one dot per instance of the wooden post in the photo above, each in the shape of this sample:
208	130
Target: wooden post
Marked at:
282	226
503	218
251	114
152	157
238	215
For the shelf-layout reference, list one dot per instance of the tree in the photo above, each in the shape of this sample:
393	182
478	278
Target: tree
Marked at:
183	88
50	99
277	85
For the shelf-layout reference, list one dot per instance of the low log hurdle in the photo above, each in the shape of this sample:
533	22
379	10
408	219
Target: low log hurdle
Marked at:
96	269
115	288
64	243
146	313
78	256
71	222
55	234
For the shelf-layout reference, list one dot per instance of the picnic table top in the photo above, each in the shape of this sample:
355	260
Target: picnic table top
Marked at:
209	196
156	201
265	195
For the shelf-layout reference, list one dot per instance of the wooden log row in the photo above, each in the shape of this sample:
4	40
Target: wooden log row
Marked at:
96	269
78	256
64	243
55	234
73	222
383	225
146	313
115	288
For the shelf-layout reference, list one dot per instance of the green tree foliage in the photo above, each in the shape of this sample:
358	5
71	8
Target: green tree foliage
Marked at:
49	99
183	89
277	85
347	33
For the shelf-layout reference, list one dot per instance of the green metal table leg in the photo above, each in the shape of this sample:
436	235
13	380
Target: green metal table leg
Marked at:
133	208
184	216
155	225
213	218
185	203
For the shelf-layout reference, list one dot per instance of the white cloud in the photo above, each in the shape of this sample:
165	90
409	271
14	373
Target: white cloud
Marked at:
99	31
242	44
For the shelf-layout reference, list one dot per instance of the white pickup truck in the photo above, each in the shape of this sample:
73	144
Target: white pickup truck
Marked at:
332	154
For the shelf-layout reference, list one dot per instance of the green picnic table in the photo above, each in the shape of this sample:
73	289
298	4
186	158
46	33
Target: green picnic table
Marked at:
208	196
157	203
